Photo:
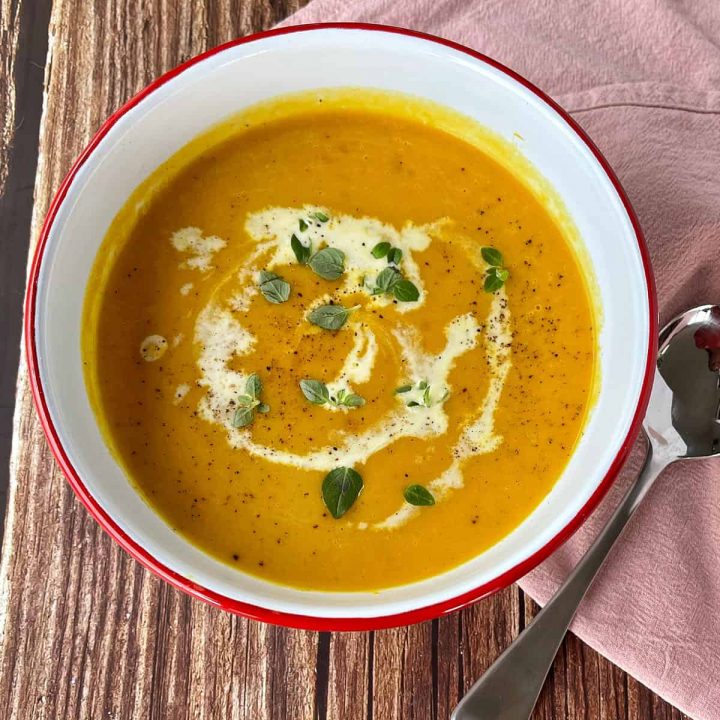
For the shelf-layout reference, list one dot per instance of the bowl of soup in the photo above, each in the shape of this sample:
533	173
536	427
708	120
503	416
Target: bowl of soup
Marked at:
340	327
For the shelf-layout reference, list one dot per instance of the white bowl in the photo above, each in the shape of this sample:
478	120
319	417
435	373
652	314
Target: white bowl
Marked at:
183	103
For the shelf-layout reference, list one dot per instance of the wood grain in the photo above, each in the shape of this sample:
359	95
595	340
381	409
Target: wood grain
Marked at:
22	56
85	632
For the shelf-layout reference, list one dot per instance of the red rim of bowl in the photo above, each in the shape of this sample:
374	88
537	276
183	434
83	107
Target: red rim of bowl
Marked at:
290	619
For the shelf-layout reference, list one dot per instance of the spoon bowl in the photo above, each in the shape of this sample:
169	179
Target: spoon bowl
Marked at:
688	368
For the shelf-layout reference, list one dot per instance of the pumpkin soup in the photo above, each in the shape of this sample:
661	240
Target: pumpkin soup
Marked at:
339	344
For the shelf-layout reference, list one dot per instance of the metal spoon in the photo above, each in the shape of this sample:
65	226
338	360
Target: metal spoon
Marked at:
681	423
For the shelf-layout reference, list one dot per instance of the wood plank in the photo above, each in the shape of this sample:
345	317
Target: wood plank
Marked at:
23	48
349	687
486	629
403	673
448	649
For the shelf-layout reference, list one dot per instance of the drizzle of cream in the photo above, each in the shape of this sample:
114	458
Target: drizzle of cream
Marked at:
479	437
354	236
153	347
240	301
358	365
201	248
221	337
186	288
180	392
434	369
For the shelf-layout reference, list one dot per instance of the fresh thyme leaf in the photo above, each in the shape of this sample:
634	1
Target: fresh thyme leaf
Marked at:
318	394
253	386
395	256
328	263
250	402
243	416
315	391
381	250
273	288
493	282
391	282
496	274
319	216
386	280
330	317
492	256
340	489
302	252
302	225
405	291
418	495
425	399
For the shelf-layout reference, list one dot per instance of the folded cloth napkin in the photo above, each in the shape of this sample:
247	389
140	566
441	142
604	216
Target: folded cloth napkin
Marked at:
643	77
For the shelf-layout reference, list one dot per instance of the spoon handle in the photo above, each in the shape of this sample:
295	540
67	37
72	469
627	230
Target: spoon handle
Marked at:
510	687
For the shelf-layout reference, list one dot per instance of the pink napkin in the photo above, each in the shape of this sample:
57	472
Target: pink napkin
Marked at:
642	76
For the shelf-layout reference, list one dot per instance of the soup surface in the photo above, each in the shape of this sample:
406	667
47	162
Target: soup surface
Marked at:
339	347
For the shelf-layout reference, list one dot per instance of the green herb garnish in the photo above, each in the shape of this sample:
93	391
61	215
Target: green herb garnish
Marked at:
253	386
346	399
390	281
330	317
249	403
302	225
395	256
381	250
418	495
492	256
328	263
493	281
273	288
319	216
318	394
302	252
315	391
496	274
340	490
425	399
405	291
243	416
385	281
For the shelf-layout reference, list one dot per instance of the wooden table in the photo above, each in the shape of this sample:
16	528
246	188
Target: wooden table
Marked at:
85	632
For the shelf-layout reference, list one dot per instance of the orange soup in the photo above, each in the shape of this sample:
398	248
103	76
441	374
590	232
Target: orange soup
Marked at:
338	346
